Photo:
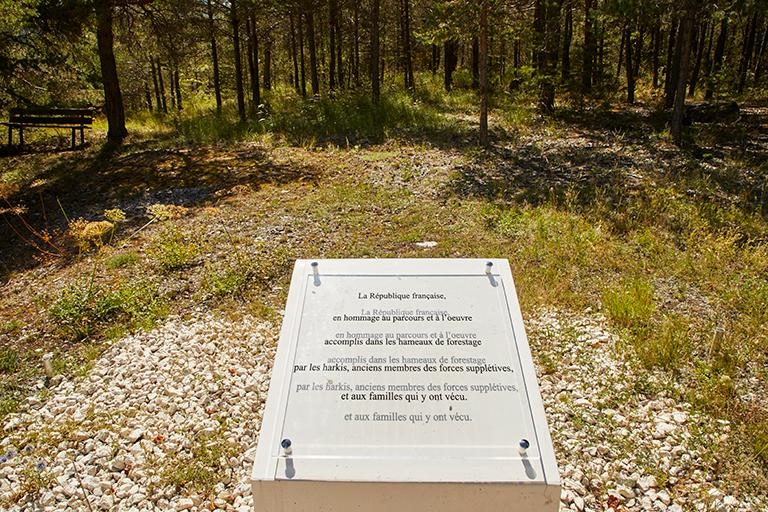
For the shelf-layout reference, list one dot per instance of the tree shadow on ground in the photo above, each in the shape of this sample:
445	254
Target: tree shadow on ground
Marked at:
607	157
130	178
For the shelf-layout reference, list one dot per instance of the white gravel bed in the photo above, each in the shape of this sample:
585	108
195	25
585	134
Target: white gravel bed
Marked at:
621	444
111	440
107	441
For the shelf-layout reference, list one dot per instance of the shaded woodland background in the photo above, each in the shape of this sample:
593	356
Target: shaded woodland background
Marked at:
165	55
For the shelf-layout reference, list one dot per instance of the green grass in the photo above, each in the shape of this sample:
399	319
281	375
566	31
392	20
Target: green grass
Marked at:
10	326
123	259
9	361
88	310
630	304
172	250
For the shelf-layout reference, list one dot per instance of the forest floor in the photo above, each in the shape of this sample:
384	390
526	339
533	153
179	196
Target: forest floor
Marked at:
642	270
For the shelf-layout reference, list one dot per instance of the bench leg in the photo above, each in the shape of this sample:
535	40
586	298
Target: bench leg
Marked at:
82	136
10	136
21	135
73	138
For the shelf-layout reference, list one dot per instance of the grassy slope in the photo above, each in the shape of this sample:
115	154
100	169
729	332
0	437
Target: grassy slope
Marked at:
594	209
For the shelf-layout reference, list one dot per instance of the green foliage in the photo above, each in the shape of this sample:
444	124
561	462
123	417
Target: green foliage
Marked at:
173	251
85	311
122	259
631	304
9	360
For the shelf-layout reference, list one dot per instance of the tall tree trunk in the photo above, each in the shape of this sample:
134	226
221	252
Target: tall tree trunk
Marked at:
483	72
669	67
622	57
588	57
717	62
113	97
177	84
435	63
356	67
407	36
161	82
702	39
450	60
158	101
267	64
638	51
301	50
630	69
294	57
674	67
312	52
516	54
235	21
475	63
375	85
339	48
551	15
686	34
332	43
171	88
655	58
214	57
746	53
760	57
253	62
567	38
148	96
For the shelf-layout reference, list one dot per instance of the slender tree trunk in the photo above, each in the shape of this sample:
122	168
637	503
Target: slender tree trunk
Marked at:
312	52
483	72
113	97
253	62
599	70
551	15
356	67
746	54
630	69
567	38
161	82
435	63
148	96
669	78
158	102
375	85
332	43
235	21
450	60
407	36
702	39
475	63
177	83
516	54
655	58
674	68
622	46
718	59
588	57
638	51
339	48
214	57
760	57
267	64
301	51
172	88
686	34
294	57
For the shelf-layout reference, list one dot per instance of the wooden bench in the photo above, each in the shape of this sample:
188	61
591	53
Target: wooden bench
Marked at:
38	117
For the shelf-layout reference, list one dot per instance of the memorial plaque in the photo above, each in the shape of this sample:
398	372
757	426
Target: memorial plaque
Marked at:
404	384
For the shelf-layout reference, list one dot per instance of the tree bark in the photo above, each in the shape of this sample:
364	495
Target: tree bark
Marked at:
475	63
267	64
294	57
588	57
253	62
158	102
214	57
172	88
235	21
113	97
375	85
567	38
356	67
332	43
669	67
148	96
655	58
746	53
678	112
760	57
622	57
702	39
312	52
630	69
408	78
551	33
303	65
177	86
718	59
483	72
450	60
161	82
674	68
